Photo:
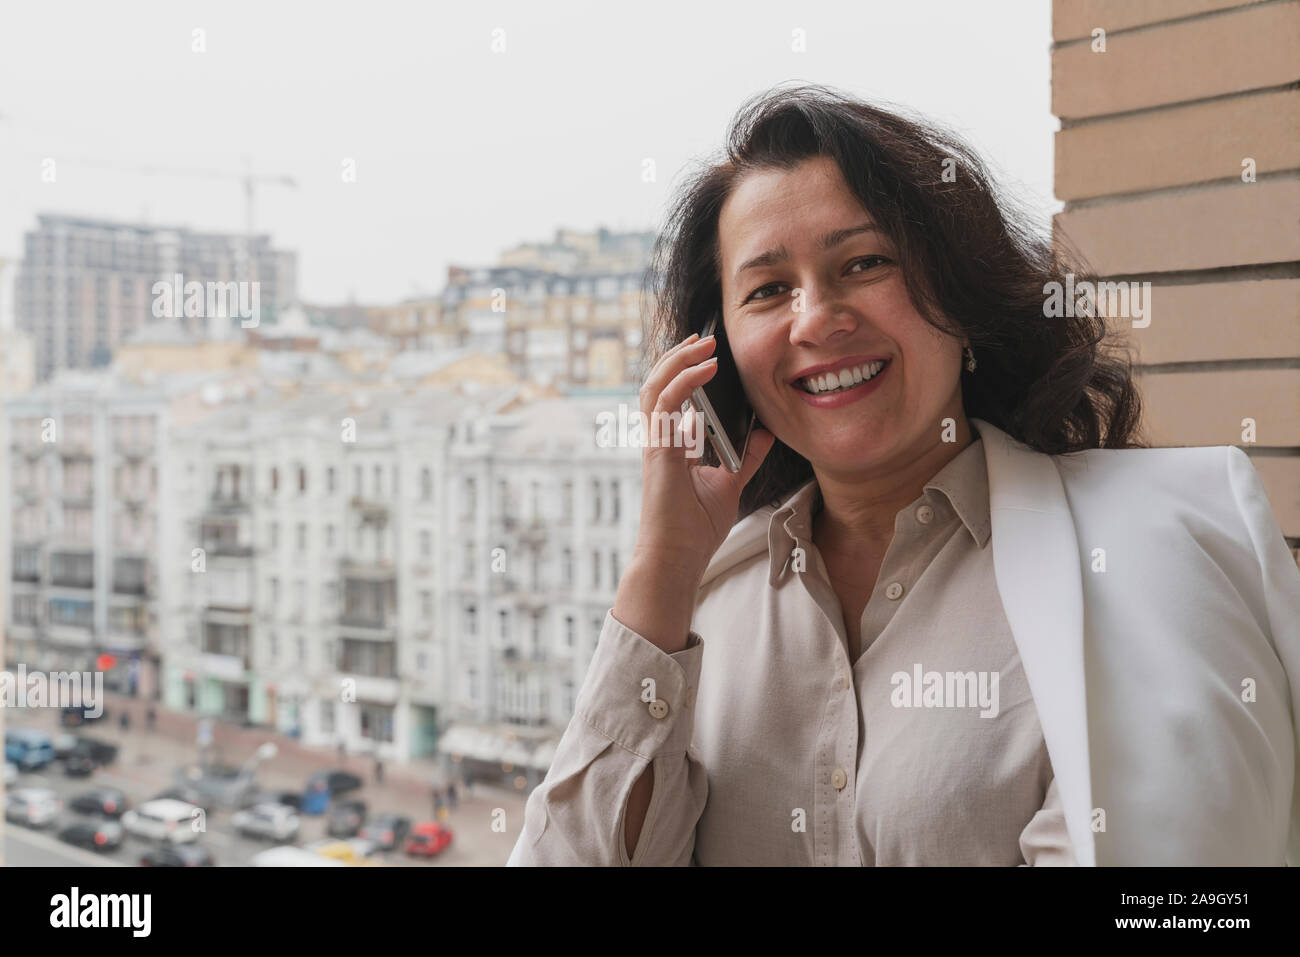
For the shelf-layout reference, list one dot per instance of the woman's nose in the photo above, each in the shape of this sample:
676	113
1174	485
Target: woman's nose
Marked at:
818	316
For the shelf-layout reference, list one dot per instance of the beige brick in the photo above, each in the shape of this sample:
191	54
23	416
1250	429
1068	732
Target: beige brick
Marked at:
1206	322
1077	18
1248	48
1281	479
1179	145
1207	408
1201	228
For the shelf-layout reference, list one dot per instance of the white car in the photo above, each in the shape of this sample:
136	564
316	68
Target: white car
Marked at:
279	822
290	856
11	773
163	820
35	807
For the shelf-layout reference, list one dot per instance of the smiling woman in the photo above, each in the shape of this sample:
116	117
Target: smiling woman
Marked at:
867	646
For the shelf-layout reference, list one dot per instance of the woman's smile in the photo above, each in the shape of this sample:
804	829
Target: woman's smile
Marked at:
843	385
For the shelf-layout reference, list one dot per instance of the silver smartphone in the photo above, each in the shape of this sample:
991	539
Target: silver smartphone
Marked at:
721	402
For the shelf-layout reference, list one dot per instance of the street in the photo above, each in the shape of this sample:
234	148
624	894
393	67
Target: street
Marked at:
146	764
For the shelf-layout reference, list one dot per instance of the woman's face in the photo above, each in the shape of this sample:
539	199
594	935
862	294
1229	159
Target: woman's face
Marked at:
792	305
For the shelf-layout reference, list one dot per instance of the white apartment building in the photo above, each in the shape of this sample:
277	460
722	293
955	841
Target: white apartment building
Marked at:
86	518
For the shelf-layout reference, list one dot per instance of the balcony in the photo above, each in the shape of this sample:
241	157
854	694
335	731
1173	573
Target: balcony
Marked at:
224	667
370	510
227	504
370	688
376	571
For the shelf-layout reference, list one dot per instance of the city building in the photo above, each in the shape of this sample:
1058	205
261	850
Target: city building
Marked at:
85	285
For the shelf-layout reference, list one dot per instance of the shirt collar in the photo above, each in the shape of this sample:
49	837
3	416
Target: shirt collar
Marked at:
962	484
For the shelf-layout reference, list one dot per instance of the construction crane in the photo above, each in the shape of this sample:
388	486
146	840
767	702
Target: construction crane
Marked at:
248	177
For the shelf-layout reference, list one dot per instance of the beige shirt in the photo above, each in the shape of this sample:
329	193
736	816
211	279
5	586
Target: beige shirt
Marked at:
770	747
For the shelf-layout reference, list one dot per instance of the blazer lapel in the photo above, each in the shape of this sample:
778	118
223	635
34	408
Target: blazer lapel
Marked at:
1036	565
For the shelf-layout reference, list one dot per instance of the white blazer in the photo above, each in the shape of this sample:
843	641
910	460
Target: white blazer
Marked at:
1156	610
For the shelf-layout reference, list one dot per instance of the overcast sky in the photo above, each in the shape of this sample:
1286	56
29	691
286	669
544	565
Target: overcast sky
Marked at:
461	152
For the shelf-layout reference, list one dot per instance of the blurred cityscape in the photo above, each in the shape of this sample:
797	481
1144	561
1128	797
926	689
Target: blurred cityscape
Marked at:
380	539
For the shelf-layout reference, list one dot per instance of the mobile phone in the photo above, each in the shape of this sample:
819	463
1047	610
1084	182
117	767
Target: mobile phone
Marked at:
721	403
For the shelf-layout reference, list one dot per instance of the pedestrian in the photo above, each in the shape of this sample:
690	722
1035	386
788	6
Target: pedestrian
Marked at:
151	718
437	803
451	795
379	771
343	751
124	722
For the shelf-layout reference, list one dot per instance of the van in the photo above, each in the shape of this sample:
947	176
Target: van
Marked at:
28	748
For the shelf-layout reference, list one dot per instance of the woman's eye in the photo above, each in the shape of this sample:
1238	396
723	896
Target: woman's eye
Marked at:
755	297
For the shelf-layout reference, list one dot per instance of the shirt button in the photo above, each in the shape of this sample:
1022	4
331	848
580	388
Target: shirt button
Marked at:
839	779
658	708
846	681
924	513
893	591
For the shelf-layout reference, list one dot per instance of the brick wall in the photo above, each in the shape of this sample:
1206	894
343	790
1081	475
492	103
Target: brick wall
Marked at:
1149	163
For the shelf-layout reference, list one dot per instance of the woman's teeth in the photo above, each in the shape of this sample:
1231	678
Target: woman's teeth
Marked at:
831	382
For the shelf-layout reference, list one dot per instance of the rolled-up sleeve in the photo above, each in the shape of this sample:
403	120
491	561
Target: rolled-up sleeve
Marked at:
1045	841
635	709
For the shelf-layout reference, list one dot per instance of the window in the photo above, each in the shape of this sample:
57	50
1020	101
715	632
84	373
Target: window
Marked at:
302	480
569	631
275	593
329	538
613	569
503	620
595	569
566	567
356	480
613	502
329	480
302	536
567	504
426	605
471	620
275	479
595	500
426	484
379	481
275	535
426	544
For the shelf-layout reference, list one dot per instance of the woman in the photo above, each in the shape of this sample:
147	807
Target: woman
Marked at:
964	618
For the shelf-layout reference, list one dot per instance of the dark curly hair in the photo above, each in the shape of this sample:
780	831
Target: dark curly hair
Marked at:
971	259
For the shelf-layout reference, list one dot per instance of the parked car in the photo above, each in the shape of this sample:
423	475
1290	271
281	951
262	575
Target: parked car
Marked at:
290	856
95	835
291	799
178	855
326	786
63	744
218	785
356	852
188	795
28	748
34	807
162	820
104	802
428	839
77	715
346	818
84	754
11	774
387	831
273	821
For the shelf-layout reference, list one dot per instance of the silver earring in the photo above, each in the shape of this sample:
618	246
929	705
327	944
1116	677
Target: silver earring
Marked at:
970	359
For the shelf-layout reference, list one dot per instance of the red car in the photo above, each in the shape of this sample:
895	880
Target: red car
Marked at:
427	839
